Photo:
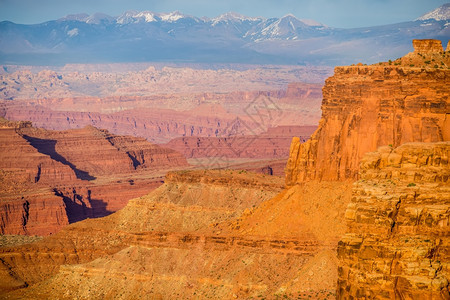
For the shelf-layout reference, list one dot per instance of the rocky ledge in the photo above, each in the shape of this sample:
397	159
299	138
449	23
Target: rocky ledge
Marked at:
397	244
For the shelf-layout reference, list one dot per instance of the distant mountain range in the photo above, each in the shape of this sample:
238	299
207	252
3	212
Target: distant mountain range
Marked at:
138	36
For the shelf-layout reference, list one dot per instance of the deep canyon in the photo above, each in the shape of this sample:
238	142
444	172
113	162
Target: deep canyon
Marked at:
361	211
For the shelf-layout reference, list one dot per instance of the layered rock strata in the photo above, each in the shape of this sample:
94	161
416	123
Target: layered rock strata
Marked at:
28	205
365	107
397	244
272	144
206	234
156	125
171	222
47	177
93	152
162	117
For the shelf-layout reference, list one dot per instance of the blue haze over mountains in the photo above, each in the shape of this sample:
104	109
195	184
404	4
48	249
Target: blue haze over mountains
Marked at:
230	38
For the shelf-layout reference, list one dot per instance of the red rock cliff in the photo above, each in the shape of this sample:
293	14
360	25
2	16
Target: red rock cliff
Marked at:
365	107
397	244
46	177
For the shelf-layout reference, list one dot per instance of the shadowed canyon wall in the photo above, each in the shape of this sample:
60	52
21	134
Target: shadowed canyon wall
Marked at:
49	179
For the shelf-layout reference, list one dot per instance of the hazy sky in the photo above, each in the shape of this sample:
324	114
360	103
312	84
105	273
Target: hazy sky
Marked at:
335	13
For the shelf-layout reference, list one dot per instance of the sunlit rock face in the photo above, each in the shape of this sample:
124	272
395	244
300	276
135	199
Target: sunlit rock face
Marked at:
365	107
397	244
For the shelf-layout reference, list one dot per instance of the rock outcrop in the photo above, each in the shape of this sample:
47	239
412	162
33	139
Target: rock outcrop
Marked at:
47	177
397	244
28	205
18	156
427	46
365	107
93	152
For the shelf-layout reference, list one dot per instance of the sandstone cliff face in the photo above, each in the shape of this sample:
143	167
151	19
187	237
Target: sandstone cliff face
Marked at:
28	205
46	177
93	152
365	107
157	125
17	155
427	46
397	244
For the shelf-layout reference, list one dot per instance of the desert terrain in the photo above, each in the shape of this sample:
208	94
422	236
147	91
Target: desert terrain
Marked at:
362	211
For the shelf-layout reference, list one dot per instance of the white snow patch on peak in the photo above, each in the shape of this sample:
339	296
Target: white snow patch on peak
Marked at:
133	16
441	13
148	16
73	32
97	18
127	17
172	17
233	16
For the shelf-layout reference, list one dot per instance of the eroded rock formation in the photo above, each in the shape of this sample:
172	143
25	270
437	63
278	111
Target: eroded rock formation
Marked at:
397	245
47	177
172	222
365	107
92	152
272	144
227	234
128	80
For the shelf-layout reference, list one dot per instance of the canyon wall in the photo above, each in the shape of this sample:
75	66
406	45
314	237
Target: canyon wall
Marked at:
365	107
176	220
156	125
94	152
230	116
397	244
271	144
49	179
218	234
27	205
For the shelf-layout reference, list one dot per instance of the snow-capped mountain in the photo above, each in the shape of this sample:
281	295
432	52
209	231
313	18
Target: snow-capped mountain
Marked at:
441	13
133	16
150	36
232	17
285	28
